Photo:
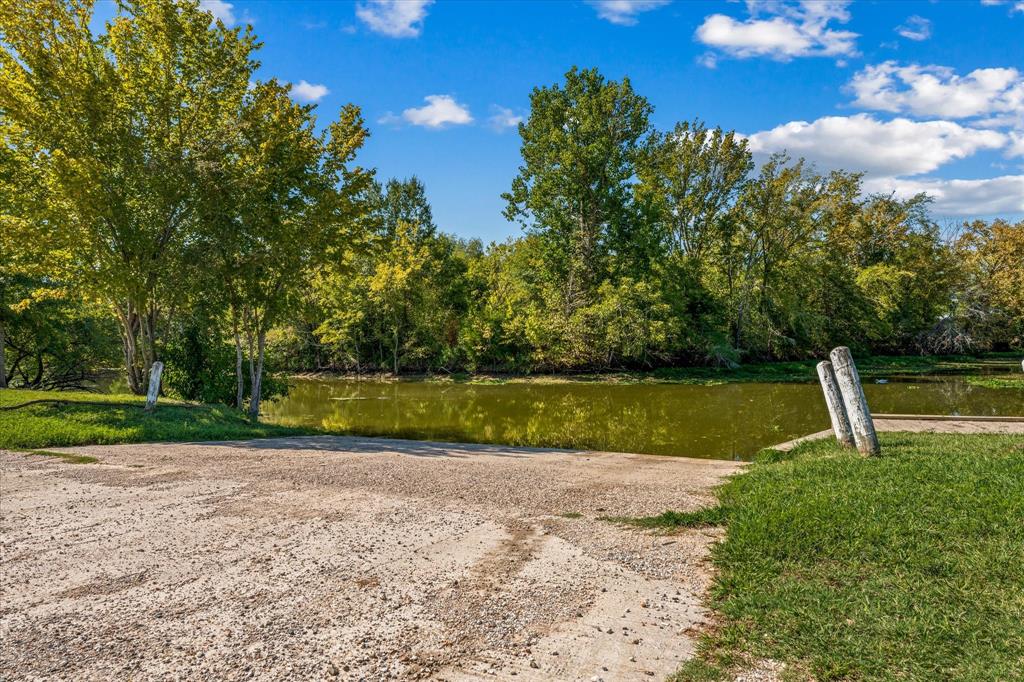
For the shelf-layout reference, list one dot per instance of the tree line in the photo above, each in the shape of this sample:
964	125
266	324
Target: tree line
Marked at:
159	201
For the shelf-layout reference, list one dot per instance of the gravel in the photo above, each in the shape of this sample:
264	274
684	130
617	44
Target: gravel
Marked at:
347	559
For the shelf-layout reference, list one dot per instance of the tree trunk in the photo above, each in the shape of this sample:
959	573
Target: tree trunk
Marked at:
3	359
252	355
394	355
129	321
239	379
257	384
37	382
148	327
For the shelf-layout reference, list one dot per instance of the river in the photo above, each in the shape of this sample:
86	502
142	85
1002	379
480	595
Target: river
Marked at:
728	421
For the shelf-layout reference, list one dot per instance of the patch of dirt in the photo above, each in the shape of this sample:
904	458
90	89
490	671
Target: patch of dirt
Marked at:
347	558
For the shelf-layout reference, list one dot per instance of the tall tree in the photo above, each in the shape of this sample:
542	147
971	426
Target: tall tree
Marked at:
297	199
127	123
780	218
694	176
402	201
990	301
580	148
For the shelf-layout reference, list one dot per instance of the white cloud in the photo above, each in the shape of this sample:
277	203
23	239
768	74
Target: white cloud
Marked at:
781	30
1016	146
1015	5
220	10
395	18
939	91
915	28
309	92
708	60
886	148
969	198
503	118
623	12
439	111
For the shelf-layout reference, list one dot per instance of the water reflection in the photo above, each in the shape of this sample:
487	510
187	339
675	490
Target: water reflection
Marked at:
731	421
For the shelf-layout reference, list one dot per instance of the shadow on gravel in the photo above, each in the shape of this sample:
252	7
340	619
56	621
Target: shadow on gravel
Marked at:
415	448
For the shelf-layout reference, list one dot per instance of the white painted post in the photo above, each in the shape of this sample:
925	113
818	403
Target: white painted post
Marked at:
834	400
856	404
154	384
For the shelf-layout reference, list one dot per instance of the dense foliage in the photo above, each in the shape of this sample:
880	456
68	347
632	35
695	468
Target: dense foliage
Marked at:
157	200
645	248
148	170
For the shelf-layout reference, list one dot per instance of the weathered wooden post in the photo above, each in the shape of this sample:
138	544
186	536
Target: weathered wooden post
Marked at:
154	384
856	404
834	400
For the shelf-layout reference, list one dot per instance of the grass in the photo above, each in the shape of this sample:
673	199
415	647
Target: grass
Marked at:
997	382
907	566
97	419
70	459
672	521
790	372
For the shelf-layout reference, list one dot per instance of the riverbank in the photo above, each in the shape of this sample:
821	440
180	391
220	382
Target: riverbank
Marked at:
909	565
64	419
978	368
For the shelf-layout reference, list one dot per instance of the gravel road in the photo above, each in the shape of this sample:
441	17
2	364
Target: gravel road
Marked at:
347	559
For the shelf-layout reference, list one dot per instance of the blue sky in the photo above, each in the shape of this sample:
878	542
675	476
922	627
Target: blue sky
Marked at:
922	95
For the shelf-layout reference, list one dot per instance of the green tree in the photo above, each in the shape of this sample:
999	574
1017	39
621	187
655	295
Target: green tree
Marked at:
401	201
398	305
128	124
694	176
580	149
989	302
298	202
781	218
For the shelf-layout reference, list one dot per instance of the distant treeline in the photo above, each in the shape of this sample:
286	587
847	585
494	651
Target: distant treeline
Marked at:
645	248
159	201
788	264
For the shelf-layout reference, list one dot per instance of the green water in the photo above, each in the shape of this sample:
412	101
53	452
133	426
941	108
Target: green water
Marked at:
731	421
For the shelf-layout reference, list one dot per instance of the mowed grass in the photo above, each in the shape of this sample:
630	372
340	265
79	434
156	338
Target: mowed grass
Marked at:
118	419
908	566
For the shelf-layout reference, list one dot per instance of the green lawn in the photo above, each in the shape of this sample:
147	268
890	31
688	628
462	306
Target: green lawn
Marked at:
118	419
908	566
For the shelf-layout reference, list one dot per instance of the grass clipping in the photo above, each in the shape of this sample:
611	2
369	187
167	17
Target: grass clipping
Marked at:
904	566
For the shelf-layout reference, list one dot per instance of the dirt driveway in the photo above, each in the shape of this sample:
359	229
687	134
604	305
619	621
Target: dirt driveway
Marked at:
347	558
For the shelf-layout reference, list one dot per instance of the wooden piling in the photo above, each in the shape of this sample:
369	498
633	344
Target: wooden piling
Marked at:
861	424
154	384
834	401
